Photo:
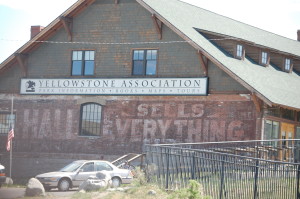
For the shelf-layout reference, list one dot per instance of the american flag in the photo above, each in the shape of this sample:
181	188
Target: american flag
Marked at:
10	136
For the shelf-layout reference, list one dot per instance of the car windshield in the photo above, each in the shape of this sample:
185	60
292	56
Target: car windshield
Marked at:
71	167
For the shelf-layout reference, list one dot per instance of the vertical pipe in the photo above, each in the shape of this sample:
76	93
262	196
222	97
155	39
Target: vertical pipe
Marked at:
11	141
256	179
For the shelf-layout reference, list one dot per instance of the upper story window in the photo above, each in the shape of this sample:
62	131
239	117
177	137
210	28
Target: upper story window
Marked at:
264	58
287	64
6	122
90	119
144	62
239	51
83	62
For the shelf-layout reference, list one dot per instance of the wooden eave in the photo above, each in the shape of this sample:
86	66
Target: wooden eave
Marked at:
46	33
206	54
248	43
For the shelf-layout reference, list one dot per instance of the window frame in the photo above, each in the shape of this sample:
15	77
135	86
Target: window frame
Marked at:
144	62
80	133
288	70
239	53
83	62
264	58
9	121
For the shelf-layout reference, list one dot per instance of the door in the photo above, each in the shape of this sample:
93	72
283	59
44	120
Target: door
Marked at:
287	132
84	173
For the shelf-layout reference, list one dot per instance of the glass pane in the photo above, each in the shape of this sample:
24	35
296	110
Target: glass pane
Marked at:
89	68
76	68
89	55
154	54
77	55
138	55
297	133
151	54
138	68
151	68
239	52
91	120
74	56
141	55
268	130
275	130
92	55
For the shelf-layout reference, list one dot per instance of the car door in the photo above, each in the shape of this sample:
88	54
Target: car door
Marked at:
84	172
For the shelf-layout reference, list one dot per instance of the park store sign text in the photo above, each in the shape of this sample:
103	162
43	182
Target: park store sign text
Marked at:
126	86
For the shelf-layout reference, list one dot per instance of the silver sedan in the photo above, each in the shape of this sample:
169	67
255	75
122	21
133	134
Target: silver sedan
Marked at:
79	171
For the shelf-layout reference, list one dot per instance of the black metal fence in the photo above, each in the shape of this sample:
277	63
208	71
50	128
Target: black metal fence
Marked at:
243	170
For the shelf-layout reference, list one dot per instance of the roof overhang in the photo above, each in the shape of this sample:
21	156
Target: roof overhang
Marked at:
46	33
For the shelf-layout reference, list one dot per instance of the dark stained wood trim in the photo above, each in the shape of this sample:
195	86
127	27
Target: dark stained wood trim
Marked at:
22	62
250	43
68	24
158	25
256	102
278	119
203	63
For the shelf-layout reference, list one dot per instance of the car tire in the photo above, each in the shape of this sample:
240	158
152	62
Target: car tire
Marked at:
116	182
64	184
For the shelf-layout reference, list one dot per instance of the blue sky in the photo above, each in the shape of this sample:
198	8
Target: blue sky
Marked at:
16	16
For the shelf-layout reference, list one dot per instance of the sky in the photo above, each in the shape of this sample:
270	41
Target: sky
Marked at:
281	17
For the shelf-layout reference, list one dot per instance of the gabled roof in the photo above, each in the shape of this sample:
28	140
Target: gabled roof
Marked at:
272	86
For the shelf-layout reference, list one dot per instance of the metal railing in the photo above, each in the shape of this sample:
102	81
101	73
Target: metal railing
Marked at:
244	170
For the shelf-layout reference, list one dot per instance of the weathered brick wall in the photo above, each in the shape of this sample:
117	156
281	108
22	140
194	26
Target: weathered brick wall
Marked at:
46	131
50	125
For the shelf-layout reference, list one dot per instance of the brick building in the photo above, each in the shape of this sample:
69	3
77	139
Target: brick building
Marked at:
107	77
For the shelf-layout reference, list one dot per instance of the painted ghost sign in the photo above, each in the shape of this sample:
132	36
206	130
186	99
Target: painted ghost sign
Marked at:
157	122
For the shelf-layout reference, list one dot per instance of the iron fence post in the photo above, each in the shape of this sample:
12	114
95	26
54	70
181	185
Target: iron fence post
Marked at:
222	177
256	179
168	172
193	166
297	188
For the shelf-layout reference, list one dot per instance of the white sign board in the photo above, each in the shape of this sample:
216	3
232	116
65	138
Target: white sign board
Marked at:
125	86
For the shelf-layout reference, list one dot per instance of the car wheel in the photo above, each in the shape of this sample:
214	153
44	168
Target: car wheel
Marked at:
64	184
116	182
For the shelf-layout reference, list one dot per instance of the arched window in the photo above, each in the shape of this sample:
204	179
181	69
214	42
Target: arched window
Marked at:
90	119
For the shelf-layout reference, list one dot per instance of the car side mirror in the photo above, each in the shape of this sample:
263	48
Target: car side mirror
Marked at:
80	170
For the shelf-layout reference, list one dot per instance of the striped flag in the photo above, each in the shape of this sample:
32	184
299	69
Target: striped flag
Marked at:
10	136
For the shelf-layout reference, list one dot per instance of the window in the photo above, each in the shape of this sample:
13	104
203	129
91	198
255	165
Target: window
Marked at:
239	51
264	58
90	119
271	131
83	63
6	122
100	166
88	167
144	62
287	65
288	114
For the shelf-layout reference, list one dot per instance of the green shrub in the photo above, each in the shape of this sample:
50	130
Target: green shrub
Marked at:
193	191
